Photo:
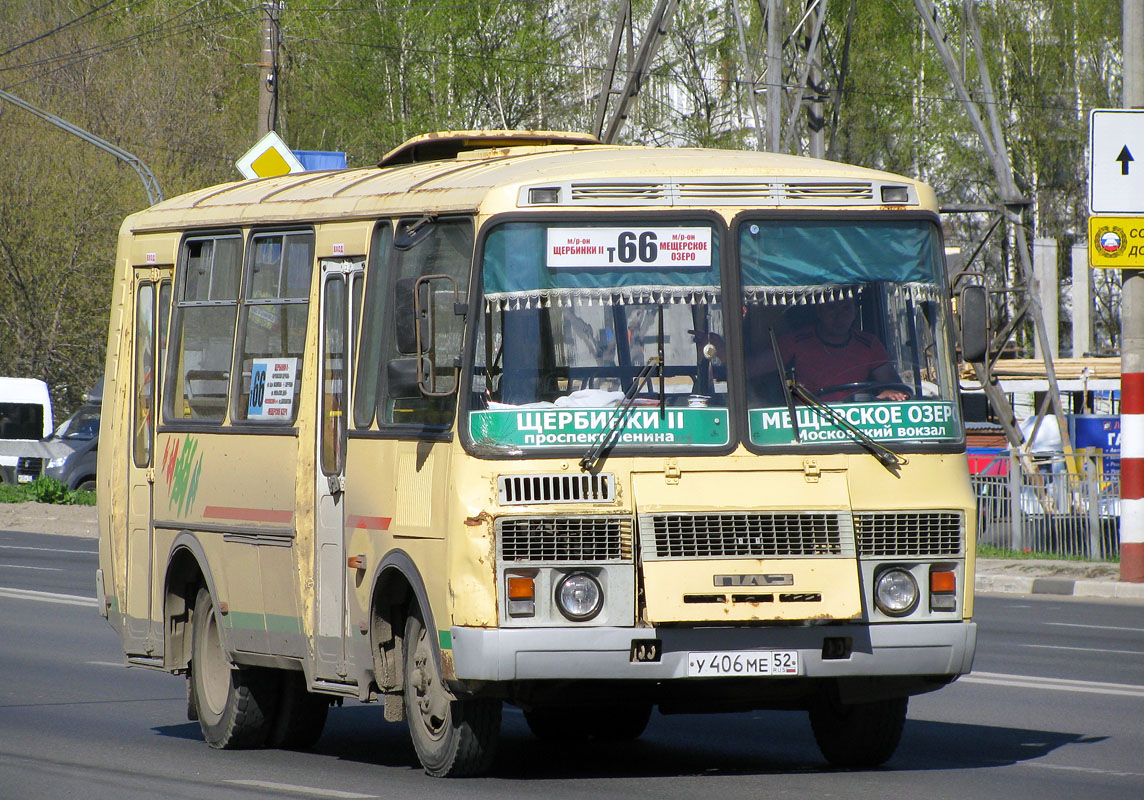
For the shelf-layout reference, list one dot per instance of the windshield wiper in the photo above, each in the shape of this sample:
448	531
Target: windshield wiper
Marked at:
886	457
786	386
605	436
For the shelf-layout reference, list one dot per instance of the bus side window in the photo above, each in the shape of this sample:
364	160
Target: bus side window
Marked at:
374	307
447	249
144	424
202	329
272	338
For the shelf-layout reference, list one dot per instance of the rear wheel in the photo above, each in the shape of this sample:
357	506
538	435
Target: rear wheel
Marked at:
301	714
858	734
453	737
234	705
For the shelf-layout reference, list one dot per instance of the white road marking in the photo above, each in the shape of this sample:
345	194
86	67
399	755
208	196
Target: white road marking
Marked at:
290	788
26	566
1054	684
1091	770
1098	627
48	597
1085	649
47	549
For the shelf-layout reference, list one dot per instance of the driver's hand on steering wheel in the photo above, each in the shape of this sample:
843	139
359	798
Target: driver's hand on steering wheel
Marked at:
892	394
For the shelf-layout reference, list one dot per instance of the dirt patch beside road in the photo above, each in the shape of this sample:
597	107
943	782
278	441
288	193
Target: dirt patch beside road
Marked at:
48	518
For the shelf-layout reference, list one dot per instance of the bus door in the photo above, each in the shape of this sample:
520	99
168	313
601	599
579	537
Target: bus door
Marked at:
151	290
335	346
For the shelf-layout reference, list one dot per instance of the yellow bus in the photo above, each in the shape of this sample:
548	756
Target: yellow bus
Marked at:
519	417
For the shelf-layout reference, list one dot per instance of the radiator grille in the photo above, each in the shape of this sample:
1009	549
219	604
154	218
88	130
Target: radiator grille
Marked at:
903	533
564	539
514	490
745	535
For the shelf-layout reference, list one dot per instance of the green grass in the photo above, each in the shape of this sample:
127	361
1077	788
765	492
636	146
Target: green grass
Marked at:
45	490
992	551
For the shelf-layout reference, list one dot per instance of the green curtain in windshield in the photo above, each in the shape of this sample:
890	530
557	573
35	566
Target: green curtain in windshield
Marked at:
787	252
515	270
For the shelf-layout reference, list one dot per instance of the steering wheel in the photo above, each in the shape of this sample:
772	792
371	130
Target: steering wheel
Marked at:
866	387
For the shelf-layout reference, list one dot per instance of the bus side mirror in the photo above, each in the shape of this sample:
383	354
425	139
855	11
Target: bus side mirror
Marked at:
405	306
403	377
973	311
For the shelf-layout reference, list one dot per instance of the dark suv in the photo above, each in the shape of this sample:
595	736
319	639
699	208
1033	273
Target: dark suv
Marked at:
80	433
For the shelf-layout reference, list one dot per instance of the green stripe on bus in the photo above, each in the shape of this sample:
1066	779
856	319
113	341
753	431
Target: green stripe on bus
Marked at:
446	639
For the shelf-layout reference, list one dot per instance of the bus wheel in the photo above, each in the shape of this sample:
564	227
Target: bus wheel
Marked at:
453	737
301	714
234	704
859	734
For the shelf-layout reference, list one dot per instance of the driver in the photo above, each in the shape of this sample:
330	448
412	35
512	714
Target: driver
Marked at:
831	352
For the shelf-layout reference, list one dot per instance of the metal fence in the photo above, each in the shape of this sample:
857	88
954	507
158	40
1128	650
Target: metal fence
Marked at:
1053	510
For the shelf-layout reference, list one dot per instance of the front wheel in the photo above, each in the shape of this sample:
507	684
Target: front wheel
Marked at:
234	705
454	737
858	734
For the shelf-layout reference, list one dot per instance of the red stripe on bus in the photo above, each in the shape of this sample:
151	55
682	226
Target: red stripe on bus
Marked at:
370	523
1132	393
248	514
1132	478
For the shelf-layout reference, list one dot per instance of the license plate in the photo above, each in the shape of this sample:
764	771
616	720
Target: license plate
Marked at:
735	663
23	479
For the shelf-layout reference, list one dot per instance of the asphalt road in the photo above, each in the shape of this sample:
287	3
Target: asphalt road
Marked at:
1054	709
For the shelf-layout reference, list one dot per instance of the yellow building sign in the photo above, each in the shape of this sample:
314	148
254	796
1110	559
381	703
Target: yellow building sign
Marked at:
1116	242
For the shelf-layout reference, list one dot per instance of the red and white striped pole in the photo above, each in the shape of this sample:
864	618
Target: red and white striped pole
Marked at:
1132	340
1132	472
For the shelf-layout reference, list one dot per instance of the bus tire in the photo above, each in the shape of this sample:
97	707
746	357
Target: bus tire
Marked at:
858	734
301	714
454	737
234	704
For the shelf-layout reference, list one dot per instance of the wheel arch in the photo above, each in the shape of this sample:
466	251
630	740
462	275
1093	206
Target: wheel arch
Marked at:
187	570
397	583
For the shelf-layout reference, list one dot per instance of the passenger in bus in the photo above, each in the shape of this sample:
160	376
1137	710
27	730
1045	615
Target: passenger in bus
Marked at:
828	352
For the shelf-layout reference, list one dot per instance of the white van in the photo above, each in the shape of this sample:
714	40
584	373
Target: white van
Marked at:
25	414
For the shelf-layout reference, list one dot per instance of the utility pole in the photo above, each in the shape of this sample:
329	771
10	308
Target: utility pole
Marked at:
1132	339
776	11
268	70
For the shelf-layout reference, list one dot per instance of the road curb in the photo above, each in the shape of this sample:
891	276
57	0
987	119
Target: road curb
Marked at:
1013	584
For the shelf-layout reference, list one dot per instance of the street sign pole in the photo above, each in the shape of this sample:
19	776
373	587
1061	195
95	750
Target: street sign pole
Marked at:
1132	326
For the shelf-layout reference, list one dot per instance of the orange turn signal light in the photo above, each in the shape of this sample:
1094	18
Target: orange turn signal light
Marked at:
943	582
520	587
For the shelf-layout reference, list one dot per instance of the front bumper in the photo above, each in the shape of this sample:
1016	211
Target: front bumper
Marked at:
508	654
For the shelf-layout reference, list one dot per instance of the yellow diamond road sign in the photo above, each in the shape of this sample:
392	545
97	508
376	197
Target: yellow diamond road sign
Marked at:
269	158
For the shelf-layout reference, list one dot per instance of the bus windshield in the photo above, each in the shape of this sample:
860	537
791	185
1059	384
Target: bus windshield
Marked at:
857	311
574	311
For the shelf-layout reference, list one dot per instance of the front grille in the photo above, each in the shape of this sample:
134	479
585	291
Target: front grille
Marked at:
905	533
564	539
29	466
745	535
558	488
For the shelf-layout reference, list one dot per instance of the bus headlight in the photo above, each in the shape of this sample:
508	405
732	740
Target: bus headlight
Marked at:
579	596
896	592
